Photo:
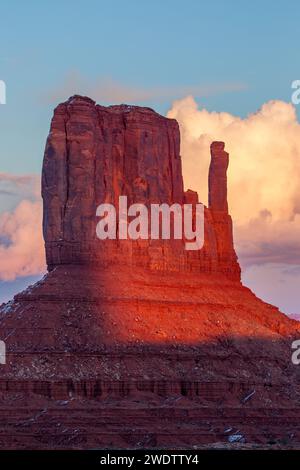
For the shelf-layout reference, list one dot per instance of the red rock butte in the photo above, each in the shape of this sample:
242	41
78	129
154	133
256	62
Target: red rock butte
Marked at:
139	343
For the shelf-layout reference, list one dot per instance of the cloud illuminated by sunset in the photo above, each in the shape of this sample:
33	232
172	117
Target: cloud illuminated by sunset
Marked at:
263	177
263	186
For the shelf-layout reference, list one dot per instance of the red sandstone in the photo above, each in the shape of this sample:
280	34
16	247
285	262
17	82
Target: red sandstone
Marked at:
138	343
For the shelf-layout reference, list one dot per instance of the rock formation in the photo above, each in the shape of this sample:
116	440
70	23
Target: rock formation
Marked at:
138	343
95	154
217	196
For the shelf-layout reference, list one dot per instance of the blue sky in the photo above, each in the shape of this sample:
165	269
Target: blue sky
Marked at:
142	44
246	52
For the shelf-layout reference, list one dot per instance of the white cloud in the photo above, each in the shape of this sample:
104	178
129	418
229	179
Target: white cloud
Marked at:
264	173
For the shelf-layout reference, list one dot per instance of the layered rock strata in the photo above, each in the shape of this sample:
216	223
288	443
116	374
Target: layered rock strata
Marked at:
94	154
139	343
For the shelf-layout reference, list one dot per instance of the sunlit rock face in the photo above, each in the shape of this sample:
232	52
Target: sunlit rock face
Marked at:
217	178
95	154
132	343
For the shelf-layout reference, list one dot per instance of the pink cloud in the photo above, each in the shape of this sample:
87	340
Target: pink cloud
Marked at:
23	252
21	241
263	176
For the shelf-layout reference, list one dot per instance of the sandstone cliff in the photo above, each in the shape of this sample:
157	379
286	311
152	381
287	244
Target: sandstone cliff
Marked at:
147	344
95	154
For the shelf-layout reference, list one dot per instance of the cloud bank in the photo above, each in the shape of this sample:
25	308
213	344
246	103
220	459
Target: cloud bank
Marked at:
21	242
264	174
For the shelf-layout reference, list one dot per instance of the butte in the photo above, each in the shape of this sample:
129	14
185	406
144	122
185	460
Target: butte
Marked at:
139	344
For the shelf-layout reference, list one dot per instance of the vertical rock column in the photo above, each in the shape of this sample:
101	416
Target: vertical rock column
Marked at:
218	209
217	197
